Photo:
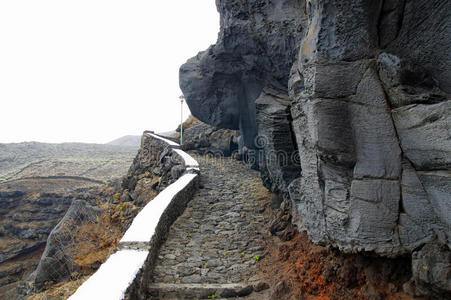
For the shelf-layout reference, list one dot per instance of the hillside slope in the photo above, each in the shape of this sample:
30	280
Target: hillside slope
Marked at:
95	161
126	141
38	183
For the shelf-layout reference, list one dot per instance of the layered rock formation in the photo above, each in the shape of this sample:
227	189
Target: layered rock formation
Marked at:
278	158
25	224
356	143
363	87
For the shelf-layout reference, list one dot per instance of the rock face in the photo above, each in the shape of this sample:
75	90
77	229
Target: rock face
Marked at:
38	213
278	159
367	86
57	260
257	45
358	189
207	139
38	182
152	169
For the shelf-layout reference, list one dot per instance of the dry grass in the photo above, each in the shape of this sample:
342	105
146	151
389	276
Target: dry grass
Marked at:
94	243
99	241
190	122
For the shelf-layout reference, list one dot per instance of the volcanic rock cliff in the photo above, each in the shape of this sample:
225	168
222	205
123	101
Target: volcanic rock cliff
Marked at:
344	107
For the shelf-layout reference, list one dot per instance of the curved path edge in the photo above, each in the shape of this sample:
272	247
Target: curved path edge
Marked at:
141	242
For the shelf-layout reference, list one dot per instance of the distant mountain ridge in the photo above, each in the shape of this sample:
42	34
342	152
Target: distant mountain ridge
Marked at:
126	141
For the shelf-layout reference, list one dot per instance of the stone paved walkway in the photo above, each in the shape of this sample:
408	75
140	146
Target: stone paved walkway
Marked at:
213	249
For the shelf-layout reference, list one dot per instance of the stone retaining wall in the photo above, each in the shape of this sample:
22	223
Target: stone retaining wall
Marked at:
125	271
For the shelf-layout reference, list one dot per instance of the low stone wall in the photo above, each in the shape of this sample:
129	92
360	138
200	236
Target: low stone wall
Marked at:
175	208
125	271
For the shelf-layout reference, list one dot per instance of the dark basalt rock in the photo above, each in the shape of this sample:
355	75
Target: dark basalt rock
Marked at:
349	138
431	269
278	163
367	86
257	45
407	83
424	134
418	222
207	139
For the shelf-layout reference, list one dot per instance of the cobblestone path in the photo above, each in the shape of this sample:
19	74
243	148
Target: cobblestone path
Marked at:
213	249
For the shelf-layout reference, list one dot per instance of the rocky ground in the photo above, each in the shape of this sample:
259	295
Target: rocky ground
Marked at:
77	246
26	221
232	241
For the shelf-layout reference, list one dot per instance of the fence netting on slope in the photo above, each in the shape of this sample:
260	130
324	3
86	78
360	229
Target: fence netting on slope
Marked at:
77	245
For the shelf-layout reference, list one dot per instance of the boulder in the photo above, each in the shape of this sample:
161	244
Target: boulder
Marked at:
205	138
431	270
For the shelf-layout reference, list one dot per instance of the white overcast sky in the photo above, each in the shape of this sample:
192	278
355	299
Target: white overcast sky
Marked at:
95	70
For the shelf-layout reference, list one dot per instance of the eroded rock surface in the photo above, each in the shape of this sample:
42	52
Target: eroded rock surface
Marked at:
367	84
278	158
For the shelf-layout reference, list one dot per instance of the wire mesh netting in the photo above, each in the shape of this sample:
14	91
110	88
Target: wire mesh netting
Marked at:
75	235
